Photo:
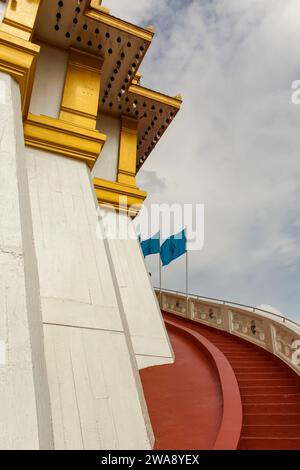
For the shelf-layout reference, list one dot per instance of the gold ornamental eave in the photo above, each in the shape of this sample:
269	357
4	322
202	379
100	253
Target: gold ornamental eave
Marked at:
162	110
20	18
119	197
63	138
18	58
88	28
111	51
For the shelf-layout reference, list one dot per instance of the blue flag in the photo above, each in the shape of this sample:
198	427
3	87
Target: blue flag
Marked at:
151	246
173	248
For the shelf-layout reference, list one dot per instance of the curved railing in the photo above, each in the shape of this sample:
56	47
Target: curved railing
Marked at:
273	332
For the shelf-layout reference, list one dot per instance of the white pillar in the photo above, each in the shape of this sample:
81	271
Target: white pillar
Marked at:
149	337
25	421
96	396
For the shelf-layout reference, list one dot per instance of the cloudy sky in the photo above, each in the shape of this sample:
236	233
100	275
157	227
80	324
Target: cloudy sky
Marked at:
235	146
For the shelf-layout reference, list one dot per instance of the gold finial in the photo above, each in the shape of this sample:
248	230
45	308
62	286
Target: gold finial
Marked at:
137	78
150	28
178	97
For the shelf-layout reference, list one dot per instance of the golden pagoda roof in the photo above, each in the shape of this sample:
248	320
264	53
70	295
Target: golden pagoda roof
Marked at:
87	26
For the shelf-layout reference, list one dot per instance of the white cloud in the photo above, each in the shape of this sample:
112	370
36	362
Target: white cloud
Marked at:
269	308
235	144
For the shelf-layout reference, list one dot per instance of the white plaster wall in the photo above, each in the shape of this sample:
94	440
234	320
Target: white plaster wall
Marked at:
25	421
49	81
96	395
107	164
148	334
2	10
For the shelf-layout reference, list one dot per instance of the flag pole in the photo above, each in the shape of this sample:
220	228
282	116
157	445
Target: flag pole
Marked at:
159	260
187	276
187	282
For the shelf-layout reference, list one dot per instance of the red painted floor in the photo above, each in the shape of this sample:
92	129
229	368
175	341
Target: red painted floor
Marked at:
184	399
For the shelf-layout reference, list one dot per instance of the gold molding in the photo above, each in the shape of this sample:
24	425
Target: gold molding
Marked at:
119	196
123	195
20	17
137	78
101	15
128	151
156	96
63	138
82	89
18	58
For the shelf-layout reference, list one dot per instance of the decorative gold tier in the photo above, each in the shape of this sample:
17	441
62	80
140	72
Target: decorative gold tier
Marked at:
120	197
18	58
54	135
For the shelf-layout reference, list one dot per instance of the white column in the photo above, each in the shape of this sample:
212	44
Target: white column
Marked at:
25	421
96	396
147	329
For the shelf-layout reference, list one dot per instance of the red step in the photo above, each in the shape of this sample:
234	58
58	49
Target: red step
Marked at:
257	368
275	443
263	389
235	348
290	430
263	398
262	375
266	382
272	418
250	363
271	408
245	354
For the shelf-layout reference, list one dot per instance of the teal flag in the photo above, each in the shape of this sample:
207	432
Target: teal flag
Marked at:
173	248
151	246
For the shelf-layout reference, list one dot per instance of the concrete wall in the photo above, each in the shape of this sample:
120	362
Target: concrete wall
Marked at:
25	420
2	10
49	81
148	334
96	396
107	164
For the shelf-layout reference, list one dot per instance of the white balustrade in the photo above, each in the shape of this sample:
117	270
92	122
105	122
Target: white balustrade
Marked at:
206	313
248	326
278	335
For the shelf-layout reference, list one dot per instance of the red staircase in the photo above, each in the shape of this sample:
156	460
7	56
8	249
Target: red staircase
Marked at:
270	392
269	389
